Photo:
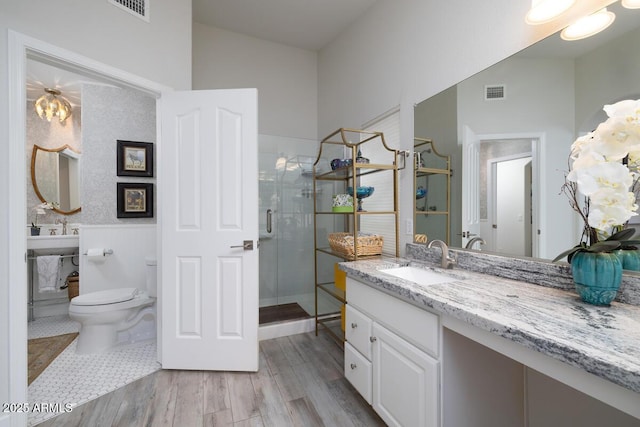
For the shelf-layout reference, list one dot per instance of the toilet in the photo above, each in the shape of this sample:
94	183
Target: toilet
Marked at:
116	316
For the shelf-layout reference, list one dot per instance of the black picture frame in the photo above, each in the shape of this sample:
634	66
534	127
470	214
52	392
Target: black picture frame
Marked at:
135	200
134	158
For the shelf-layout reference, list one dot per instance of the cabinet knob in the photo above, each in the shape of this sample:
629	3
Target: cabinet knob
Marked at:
353	366
373	339
354	325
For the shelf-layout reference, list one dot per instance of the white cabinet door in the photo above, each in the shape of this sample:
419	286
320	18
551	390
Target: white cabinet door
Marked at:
357	370
405	381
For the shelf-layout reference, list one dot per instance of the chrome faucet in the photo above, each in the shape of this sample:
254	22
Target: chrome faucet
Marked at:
472	242
448	260
64	225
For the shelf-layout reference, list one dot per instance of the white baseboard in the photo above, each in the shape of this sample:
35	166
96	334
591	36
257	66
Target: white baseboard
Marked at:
285	329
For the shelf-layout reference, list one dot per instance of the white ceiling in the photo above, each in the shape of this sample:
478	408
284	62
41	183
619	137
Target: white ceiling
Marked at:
307	24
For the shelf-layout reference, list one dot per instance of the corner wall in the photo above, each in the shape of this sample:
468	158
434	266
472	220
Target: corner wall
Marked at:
286	77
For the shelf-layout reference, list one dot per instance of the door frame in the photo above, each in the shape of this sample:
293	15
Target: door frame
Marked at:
538	185
20	47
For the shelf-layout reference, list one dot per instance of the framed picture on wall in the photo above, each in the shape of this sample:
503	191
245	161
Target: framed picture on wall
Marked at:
135	200
134	158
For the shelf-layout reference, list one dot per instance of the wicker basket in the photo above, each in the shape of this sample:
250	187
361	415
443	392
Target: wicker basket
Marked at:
368	244
73	289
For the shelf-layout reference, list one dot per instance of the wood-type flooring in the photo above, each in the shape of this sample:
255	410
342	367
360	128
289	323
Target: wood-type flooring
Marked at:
300	383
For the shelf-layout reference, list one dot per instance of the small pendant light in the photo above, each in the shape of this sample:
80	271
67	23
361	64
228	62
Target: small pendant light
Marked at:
51	105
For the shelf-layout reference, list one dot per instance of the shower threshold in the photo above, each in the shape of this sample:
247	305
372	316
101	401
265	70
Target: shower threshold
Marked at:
282	313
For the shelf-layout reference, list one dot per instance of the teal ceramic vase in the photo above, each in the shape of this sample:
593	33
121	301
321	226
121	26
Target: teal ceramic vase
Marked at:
597	276
629	258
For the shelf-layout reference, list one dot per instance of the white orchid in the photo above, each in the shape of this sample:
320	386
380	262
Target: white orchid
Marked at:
604	168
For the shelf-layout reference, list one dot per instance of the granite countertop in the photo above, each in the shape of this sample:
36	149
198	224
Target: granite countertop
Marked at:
604	341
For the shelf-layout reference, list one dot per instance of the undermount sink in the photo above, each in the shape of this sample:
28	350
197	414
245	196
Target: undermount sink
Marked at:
419	275
53	242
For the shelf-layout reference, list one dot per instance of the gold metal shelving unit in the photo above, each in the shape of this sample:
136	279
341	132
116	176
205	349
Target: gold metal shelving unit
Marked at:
433	174
345	144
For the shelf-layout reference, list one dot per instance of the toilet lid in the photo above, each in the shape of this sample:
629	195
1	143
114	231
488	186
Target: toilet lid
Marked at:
110	296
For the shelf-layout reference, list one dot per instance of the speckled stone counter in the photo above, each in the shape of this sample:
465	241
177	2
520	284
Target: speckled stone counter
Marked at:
604	341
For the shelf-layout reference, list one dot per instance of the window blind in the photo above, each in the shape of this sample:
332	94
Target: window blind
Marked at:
383	196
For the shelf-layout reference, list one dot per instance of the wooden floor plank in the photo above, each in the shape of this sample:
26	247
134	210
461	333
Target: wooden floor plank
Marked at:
161	409
319	396
223	418
303	413
272	406
289	385
353	404
189	399
290	351
242	396
318	356
251	422
216	392
275	357
132	409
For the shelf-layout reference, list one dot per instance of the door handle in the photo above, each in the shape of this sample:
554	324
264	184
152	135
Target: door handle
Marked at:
269	214
247	245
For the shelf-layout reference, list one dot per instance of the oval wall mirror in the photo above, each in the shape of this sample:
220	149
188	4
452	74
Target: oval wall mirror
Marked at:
55	174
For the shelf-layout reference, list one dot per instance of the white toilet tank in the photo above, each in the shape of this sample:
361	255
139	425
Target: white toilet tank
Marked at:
152	275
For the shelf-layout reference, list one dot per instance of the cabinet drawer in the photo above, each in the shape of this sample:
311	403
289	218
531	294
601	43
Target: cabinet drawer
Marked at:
358	331
419	327
358	371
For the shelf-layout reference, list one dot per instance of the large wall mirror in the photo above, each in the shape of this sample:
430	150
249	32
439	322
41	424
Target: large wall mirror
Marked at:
509	128
55	174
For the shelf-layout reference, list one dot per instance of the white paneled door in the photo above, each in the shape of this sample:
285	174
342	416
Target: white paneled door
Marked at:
470	185
209	237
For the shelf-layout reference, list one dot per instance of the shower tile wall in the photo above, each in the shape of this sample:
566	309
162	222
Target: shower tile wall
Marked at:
286	253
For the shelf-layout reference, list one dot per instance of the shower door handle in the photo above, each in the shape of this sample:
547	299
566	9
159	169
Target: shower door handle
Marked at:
269	214
247	245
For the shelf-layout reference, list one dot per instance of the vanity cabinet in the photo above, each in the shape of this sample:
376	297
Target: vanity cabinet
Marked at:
392	355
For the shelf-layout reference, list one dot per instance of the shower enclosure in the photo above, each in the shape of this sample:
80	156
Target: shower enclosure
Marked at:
286	227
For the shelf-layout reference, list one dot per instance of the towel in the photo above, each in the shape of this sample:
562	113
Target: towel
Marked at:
48	272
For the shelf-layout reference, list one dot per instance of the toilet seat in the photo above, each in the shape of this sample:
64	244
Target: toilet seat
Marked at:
111	296
133	297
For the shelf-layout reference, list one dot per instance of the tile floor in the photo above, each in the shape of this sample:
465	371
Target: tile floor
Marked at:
76	379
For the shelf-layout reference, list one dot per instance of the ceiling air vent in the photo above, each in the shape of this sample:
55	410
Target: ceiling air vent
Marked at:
494	92
139	8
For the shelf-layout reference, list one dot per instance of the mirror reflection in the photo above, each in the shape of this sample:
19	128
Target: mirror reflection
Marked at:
518	119
55	174
432	189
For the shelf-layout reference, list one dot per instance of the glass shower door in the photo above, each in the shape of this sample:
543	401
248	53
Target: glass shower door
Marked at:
286	223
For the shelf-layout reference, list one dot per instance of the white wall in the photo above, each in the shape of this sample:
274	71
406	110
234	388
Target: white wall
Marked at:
104	33
125	268
286	77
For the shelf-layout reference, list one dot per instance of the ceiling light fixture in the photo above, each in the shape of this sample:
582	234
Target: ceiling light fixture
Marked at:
546	10
53	105
588	25
631	4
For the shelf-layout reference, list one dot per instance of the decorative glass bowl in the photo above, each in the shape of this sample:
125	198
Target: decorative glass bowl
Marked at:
421	192
361	193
